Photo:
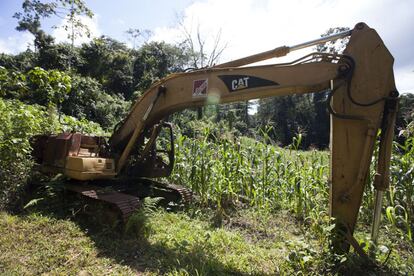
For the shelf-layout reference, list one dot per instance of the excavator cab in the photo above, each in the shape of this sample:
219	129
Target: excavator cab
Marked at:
85	157
75	155
155	157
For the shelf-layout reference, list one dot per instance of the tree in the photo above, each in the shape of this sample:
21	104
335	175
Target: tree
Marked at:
195	46
34	11
156	60
23	61
306	114
136	33
335	46
88	100
29	20
194	43
288	116
405	117
236	115
71	11
111	63
321	126
59	56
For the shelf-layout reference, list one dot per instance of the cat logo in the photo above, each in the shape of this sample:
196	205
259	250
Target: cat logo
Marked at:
240	83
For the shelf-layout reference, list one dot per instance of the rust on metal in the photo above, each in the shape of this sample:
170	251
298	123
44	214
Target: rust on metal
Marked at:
150	163
186	194
127	199
126	203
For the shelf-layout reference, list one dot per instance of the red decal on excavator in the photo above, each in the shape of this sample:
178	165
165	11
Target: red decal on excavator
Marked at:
200	88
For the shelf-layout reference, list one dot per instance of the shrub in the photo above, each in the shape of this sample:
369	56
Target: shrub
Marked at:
19	123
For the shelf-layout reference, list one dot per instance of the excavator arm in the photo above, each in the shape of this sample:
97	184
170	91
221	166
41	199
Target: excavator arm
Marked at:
220	85
361	82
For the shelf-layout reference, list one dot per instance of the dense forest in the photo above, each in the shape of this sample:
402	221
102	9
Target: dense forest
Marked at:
54	87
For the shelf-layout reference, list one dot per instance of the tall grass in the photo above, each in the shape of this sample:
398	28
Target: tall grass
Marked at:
400	198
256	173
223	172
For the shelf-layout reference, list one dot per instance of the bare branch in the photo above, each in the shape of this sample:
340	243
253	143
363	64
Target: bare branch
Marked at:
198	45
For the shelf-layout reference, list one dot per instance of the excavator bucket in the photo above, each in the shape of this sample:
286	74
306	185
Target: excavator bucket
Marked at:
357	111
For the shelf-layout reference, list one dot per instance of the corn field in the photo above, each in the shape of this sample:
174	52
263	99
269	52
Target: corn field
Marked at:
262	175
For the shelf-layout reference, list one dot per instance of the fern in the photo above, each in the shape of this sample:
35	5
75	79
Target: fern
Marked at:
137	223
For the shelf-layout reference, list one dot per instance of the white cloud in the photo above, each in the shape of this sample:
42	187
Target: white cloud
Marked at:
404	79
250	26
62	35
16	43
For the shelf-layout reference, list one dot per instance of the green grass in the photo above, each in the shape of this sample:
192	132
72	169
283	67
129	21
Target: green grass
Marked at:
184	243
36	244
261	210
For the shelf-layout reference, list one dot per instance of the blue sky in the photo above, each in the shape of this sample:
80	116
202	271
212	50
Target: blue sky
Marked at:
114	17
246	26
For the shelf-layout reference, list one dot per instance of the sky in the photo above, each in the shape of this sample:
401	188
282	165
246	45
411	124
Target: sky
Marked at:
246	26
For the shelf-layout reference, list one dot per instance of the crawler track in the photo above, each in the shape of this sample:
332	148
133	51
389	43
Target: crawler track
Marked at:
126	195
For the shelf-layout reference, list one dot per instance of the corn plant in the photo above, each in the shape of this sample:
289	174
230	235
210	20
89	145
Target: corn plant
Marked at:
258	173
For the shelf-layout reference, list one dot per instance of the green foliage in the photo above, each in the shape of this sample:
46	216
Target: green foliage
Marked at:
61	56
12	83
238	170
33	11
223	172
400	199
405	117
19	123
154	61
47	87
38	86
120	74
110	62
137	225
290	115
98	55
87	100
80	97
69	124
22	62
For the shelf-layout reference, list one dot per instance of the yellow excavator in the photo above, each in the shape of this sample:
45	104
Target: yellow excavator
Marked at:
362	100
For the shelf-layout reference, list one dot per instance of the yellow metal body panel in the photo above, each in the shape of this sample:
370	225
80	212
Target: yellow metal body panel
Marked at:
88	168
352	141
